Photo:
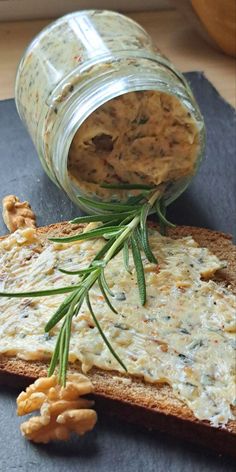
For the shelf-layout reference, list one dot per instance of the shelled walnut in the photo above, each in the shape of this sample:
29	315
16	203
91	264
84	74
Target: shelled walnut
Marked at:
17	214
62	410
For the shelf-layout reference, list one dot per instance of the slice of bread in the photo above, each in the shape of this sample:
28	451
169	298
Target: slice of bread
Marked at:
153	406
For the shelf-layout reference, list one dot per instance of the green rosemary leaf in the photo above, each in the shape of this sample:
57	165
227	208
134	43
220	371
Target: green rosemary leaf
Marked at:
139	269
119	207
76	272
99	263
39	293
143	215
106	297
111	223
55	356
126	220
126	256
103	218
58	315
114	234
65	355
162	217
161	224
124	217
105	284
147	249
134	200
93	234
90	219
79	304
61	350
61	311
103	250
103	334
76	296
138	237
144	234
117	250
128	186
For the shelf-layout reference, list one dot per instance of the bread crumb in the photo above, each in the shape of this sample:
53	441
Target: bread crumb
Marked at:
124	380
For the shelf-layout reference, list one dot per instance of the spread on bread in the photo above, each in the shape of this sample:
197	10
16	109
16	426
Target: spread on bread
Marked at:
140	137
63	410
183	336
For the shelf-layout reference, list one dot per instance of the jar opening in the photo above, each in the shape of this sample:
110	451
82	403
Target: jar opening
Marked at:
143	137
127	129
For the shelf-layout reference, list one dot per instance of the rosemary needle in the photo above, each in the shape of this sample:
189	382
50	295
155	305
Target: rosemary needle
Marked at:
123	226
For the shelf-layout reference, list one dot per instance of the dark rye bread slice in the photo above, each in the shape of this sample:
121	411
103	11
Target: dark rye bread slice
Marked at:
153	406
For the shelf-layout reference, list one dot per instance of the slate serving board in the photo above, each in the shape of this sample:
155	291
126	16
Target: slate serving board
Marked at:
209	202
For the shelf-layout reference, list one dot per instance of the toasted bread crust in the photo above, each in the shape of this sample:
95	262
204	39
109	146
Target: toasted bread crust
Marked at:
151	405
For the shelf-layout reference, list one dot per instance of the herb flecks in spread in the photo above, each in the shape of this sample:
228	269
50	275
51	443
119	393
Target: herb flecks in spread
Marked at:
147	137
185	334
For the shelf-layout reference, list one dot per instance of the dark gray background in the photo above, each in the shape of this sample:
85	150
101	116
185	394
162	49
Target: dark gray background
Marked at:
210	202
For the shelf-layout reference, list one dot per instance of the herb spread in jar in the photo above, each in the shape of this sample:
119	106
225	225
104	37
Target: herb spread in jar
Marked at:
145	137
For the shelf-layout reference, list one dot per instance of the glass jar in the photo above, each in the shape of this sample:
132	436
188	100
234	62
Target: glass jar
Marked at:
76	65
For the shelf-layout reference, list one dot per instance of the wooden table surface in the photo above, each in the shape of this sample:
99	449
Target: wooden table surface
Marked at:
172	33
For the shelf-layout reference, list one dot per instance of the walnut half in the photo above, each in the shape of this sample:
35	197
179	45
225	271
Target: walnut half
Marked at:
62	410
17	214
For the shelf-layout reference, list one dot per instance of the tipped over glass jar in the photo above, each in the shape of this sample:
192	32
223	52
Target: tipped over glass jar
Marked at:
103	106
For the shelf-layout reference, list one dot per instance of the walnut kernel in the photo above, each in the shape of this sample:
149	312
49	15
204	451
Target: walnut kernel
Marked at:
62	410
17	214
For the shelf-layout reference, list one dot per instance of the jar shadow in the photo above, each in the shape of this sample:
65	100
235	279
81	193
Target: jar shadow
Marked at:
189	210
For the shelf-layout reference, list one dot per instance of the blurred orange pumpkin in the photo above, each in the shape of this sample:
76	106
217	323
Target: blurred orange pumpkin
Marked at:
214	19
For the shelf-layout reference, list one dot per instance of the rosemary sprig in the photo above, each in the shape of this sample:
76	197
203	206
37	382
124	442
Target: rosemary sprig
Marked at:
161	213
138	263
123	226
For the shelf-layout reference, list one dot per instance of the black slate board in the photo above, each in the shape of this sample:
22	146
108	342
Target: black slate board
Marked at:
210	202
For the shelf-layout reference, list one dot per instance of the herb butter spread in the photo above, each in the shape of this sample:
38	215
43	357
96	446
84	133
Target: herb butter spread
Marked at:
184	335
140	137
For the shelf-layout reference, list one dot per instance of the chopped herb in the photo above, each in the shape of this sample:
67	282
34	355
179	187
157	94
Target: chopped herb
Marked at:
184	358
189	384
121	326
184	331
196	344
47	336
120	296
